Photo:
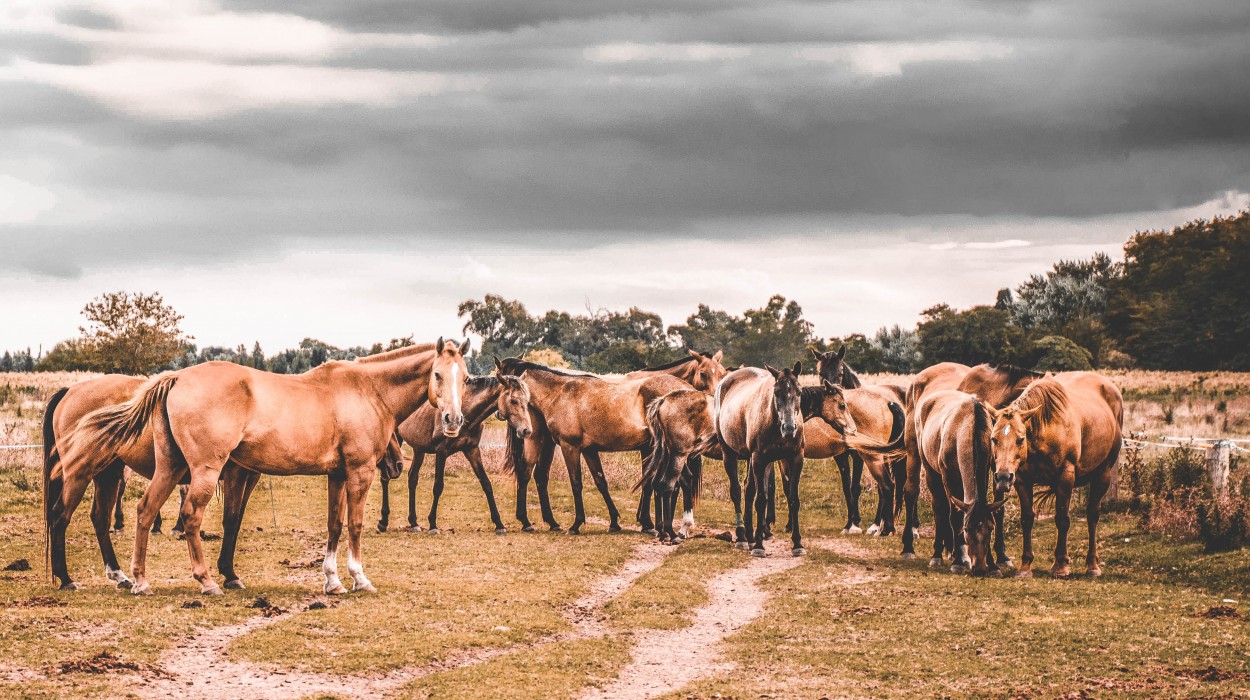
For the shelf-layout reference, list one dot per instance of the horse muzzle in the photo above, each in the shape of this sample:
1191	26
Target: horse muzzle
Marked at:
524	432
1002	482
789	431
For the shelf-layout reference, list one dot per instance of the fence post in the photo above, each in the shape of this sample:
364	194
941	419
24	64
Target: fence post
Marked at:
1217	467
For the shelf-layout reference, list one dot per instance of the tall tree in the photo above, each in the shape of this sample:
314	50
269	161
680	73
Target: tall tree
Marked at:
1070	301
979	334
132	333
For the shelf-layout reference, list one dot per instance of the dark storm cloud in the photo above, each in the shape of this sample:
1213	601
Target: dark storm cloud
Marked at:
1073	110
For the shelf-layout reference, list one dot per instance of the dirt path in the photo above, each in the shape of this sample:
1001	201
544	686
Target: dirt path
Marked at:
668	660
199	667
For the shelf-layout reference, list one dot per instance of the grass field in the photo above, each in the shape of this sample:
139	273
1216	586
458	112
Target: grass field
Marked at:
852	620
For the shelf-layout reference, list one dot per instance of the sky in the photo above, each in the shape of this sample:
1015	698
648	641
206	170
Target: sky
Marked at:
352	172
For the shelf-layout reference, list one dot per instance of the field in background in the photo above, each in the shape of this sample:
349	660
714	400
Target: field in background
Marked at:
852	620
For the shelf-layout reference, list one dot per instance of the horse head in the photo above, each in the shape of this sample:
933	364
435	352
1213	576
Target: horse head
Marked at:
829	365
978	530
708	371
828	402
1009	444
787	408
514	402
448	378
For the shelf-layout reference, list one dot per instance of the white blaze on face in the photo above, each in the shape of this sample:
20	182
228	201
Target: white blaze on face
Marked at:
1006	429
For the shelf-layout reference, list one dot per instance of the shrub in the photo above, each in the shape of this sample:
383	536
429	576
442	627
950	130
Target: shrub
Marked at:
1223	523
1056	353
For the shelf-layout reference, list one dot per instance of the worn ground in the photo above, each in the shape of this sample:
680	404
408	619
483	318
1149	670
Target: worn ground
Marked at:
468	614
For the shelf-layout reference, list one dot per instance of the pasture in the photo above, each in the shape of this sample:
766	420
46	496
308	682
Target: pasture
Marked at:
467	614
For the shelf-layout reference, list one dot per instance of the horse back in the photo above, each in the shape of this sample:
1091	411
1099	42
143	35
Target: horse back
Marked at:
743	398
100	392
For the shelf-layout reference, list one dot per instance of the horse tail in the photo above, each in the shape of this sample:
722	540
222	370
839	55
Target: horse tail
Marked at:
514	450
889	450
898	472
696	478
51	485
119	426
1043	497
660	457
980	449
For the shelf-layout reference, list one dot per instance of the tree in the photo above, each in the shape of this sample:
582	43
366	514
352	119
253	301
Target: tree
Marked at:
504	325
900	350
979	334
861	353
707	330
132	333
1054	353
775	334
1183	300
1070	300
68	356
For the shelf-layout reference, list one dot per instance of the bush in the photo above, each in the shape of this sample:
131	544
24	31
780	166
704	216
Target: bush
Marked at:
1055	353
547	356
1223	523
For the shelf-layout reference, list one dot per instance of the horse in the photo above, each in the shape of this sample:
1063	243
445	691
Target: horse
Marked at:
759	417
584	415
1063	432
335	420
953	431
682	428
507	397
65	482
865	404
997	385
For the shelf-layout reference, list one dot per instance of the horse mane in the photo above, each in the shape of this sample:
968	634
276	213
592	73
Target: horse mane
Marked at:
396	353
1010	374
669	365
850	380
487	382
517	366
1046	393
810	398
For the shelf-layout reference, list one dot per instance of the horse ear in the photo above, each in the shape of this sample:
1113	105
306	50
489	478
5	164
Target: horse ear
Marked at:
831	387
694	354
464	347
997	505
772	370
965	507
498	365
719	354
798	368
816	354
438	347
842	351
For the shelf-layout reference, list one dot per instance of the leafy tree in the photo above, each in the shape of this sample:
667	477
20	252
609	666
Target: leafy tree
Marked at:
707	330
775	334
547	356
132	333
68	356
504	325
979	334
900	350
1183	300
861	353
1070	300
1054	353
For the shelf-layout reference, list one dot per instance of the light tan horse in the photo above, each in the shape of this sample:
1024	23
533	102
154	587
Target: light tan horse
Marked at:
64	491
584	415
1063	432
954	436
335	420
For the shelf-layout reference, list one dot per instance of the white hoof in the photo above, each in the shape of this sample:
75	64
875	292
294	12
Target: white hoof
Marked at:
145	589
852	530
365	587
874	529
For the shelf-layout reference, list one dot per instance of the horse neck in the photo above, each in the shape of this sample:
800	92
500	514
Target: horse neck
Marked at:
480	400
810	400
543	388
401	381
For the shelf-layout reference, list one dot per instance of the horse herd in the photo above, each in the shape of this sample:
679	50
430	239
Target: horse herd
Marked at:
974	433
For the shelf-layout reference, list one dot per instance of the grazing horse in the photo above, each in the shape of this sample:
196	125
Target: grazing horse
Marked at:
759	417
65	482
865	401
584	415
506	397
335	420
682	428
997	385
953	431
1063	432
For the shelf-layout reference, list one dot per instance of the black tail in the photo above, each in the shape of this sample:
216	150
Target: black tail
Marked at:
660	457
891	450
898	468
695	465
514	453
981	450
51	487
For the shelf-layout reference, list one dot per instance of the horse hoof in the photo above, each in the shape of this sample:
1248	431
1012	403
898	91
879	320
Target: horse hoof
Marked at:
554	527
651	531
145	589
768	536
500	531
125	584
959	568
1094	572
852	530
1024	573
336	589
434	531
759	553
614	527
381	527
234	584
994	573
213	591
798	552
907	555
743	546
528	528
573	531
1004	562
69	586
366	588
935	562
1061	573
414	528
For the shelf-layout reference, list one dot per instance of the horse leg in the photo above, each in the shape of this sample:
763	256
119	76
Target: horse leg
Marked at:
385	519
692	474
1097	489
107	489
941	516
359	480
414	476
659	495
746	536
479	470
1025	493
170	466
761	471
960	562
72	486
735	494
644	501
911	494
771	503
1063	503
522	475
179	524
795	469
1000	540
573	463
601	483
844	470
119	517
440	466
237	484
191	516
857	487
336	504
542	477
885	498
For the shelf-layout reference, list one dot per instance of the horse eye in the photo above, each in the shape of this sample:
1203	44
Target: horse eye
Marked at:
438	377
1019	441
515	402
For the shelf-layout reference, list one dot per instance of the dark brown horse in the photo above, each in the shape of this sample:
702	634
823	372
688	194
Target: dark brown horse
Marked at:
682	428
504	396
336	420
759	417
584	415
1062	432
953	430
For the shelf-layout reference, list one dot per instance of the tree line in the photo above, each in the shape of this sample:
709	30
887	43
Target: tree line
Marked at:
1180	300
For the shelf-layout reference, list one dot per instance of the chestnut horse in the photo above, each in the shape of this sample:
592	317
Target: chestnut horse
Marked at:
336	420
506	397
1064	432
584	415
759	417
682	429
953	431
